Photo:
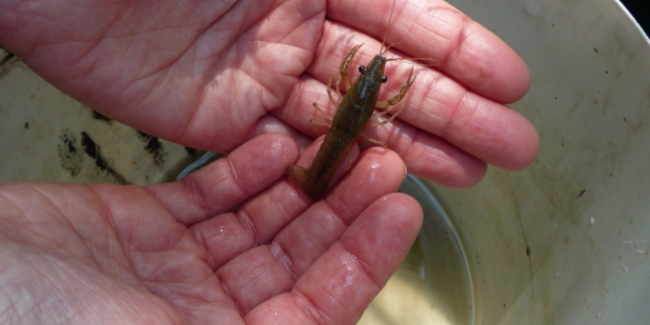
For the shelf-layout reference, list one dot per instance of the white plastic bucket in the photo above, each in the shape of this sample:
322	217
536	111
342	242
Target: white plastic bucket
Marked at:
46	136
567	240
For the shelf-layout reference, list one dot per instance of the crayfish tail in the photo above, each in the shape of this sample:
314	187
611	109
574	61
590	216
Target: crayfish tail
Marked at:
298	175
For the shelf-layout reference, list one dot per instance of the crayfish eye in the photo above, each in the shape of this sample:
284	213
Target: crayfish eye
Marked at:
384	79
362	69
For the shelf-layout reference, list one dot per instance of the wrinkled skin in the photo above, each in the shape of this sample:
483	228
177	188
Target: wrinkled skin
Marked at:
239	77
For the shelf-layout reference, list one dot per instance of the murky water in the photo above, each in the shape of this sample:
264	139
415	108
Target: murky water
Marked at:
433	285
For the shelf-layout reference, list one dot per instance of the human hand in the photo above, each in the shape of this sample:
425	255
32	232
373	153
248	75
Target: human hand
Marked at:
179	253
207	74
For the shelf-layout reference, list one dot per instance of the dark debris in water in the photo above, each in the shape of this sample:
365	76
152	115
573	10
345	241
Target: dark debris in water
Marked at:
154	147
93	151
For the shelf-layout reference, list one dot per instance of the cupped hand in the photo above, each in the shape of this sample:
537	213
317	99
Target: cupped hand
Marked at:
231	244
213	74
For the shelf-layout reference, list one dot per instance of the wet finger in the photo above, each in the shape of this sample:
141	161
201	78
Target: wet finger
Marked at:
271	124
229	181
465	50
304	239
258	220
342	282
378	172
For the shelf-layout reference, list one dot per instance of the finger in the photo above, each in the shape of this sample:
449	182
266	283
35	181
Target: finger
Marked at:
271	124
258	220
380	172
300	111
227	182
465	50
294	249
341	284
254	277
429	156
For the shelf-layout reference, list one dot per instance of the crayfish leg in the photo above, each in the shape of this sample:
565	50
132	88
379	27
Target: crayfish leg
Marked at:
343	71
402	92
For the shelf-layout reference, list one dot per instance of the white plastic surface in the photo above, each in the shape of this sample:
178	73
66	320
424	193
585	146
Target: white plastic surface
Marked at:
566	241
47	136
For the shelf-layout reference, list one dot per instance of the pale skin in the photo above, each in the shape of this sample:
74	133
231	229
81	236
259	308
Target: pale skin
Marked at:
232	76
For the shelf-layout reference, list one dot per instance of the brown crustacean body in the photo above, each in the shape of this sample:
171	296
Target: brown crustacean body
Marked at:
351	117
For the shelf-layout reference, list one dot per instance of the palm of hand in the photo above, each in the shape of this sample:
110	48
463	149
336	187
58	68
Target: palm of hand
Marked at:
175	253
180	71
